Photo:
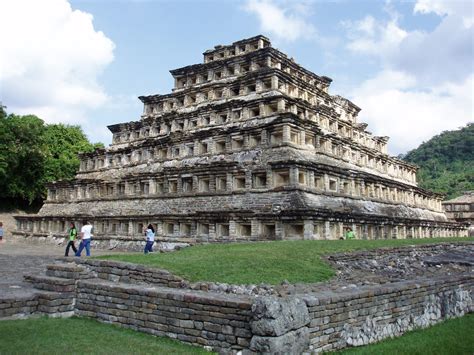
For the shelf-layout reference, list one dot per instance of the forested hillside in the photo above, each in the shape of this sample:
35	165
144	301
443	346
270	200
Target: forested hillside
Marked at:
33	153
446	162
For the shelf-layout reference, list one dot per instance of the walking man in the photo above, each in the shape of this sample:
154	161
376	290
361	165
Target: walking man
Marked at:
85	235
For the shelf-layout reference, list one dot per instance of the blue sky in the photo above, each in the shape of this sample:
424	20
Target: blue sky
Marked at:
408	65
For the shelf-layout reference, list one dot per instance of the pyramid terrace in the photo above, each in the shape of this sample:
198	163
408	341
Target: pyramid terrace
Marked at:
249	145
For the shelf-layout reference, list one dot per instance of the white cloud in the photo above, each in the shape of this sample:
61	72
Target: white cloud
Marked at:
388	80
371	37
50	60
393	105
461	8
445	54
426	83
284	20
434	57
366	25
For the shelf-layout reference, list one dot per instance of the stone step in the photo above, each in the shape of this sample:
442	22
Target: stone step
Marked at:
71	267
36	302
56	303
50	283
67	271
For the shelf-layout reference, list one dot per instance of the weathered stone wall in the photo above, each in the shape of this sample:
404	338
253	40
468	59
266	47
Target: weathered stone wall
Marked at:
139	274
52	304
280	326
360	317
132	273
254	130
159	303
54	296
219	321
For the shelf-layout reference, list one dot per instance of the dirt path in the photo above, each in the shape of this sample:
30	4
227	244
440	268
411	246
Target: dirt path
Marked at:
18	258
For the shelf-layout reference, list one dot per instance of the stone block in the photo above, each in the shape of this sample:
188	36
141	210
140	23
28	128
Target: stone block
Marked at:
294	342
216	328
242	333
186	324
274	316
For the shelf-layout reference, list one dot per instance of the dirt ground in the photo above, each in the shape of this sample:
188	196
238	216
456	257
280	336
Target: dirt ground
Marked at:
18	258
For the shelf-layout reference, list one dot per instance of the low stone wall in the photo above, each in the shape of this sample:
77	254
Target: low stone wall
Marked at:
53	295
360	317
53	304
157	302
131	273
218	321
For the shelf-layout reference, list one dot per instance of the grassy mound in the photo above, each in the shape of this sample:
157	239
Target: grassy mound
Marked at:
267	262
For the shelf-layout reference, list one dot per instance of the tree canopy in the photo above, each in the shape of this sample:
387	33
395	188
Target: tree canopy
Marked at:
63	144
446	162
33	153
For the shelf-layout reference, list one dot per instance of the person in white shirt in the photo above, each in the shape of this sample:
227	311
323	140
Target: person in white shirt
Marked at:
150	239
85	235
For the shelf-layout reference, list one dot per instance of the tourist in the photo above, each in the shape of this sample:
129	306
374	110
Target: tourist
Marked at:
150	239
1	232
349	234
72	232
86	234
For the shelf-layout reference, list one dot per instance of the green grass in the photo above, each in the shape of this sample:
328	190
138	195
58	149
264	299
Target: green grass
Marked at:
452	337
87	336
82	336
267	262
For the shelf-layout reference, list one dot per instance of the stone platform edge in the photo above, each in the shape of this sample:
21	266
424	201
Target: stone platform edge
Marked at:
123	294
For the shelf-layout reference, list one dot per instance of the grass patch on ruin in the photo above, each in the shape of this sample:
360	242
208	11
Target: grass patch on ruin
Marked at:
261	262
82	336
454	336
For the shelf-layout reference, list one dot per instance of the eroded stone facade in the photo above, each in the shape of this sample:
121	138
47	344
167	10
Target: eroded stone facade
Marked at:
248	145
461	209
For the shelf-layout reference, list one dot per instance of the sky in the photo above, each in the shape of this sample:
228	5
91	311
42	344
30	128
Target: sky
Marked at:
407	64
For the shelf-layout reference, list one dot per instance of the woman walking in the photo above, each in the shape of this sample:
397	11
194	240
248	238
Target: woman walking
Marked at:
72	237
150	239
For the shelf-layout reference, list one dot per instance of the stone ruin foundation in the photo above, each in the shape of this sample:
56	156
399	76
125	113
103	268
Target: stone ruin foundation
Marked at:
377	294
249	145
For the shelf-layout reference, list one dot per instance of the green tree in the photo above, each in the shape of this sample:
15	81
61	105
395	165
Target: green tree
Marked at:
22	157
3	134
446	162
32	154
63	144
